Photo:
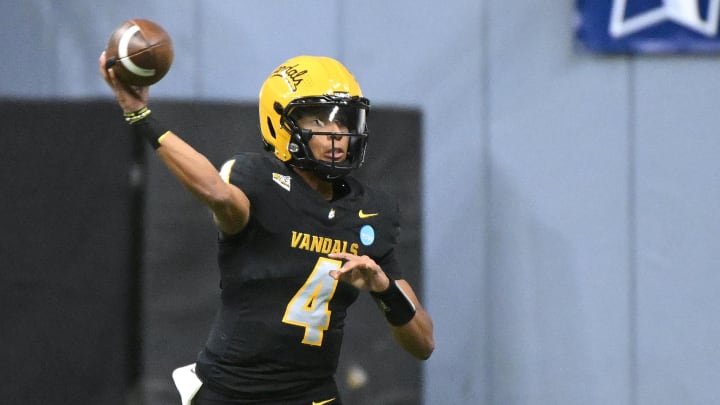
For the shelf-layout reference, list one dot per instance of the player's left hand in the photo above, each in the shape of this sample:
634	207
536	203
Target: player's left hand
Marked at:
360	271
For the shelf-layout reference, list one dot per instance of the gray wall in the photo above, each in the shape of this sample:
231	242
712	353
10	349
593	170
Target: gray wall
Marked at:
571	222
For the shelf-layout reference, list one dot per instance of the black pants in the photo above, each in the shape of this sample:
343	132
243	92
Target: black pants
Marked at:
325	395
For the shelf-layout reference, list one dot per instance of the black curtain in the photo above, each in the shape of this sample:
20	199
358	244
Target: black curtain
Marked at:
66	254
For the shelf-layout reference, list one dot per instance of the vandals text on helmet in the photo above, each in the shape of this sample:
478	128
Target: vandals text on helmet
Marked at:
291	74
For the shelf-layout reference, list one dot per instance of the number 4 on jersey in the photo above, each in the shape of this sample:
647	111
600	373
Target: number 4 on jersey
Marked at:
309	308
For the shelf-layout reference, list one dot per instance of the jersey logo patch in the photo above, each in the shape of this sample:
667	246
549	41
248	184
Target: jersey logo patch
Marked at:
283	181
364	215
367	235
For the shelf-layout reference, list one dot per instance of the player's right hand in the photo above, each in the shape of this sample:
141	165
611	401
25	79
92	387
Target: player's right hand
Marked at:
130	98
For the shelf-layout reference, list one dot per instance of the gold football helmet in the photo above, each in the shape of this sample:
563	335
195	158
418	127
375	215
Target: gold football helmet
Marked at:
311	85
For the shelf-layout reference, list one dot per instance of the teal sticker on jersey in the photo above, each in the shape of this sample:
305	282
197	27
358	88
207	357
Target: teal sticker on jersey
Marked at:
367	235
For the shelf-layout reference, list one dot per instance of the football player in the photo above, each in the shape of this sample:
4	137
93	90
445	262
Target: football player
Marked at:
299	239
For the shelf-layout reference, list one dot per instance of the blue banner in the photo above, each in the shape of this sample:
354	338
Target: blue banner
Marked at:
649	26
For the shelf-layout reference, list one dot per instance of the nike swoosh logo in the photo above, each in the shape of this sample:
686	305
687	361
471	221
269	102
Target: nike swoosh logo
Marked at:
363	215
323	402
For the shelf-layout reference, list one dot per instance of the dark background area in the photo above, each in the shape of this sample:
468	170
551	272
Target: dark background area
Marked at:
108	278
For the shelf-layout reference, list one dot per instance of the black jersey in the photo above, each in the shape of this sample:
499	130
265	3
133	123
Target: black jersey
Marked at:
280	325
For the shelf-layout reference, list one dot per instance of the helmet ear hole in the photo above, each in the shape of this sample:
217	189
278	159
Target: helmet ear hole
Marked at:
267	146
271	127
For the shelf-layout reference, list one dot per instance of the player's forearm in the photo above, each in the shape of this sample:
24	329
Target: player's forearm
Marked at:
412	326
416	337
193	170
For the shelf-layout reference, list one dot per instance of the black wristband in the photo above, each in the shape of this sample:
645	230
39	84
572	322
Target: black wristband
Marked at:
150	129
396	306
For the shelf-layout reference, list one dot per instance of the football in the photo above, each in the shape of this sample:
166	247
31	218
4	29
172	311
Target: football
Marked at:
140	52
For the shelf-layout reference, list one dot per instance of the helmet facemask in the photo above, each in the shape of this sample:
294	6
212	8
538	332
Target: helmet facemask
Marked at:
349	113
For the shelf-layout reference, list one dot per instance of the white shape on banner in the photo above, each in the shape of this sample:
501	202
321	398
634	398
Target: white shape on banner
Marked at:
682	12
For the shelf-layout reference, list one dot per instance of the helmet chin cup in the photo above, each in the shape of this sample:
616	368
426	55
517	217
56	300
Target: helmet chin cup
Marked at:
330	173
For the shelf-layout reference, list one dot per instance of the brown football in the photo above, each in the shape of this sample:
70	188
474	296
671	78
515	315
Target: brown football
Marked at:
140	52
